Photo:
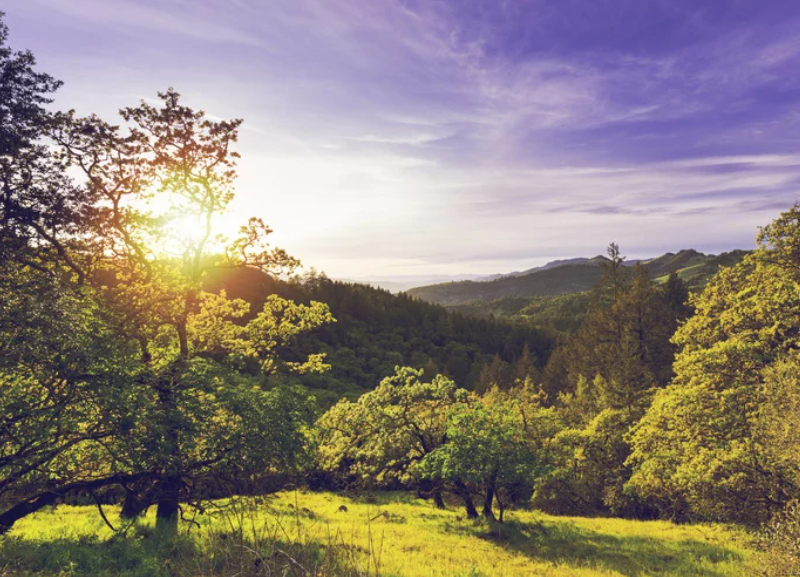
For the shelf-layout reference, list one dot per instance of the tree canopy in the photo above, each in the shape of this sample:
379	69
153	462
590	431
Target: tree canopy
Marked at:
118	368
700	448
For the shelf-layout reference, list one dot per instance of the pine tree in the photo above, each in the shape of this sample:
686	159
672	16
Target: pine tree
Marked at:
430	370
493	375
525	367
675	294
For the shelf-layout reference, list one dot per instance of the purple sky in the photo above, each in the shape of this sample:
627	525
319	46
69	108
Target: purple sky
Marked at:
394	137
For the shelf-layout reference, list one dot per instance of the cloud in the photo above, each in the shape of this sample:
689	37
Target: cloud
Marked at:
443	136
170	16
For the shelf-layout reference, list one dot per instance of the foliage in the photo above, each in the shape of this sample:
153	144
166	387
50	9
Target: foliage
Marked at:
777	423
777	429
118	368
780	540
36	195
380	440
698	449
435	437
490	447
377	331
60	370
589	469
625	338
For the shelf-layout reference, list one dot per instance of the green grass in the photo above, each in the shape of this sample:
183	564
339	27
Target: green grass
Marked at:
386	534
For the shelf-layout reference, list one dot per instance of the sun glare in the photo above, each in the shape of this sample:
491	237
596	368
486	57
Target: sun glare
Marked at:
188	229
180	229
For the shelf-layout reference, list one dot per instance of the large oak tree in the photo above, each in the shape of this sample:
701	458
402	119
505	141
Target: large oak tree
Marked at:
118	368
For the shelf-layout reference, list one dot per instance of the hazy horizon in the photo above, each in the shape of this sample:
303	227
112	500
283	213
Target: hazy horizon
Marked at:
388	139
400	283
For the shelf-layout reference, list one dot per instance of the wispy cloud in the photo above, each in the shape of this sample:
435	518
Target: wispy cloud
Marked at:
190	19
442	136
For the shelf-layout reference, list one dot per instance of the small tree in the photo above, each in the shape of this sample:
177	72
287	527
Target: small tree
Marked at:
489	449
380	440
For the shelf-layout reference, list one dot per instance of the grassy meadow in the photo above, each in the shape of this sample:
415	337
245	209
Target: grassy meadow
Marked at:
303	533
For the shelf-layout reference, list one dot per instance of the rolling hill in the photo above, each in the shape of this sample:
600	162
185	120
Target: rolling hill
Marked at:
573	276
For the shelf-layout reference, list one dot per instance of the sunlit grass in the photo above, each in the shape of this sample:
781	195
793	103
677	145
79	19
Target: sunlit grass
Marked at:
387	534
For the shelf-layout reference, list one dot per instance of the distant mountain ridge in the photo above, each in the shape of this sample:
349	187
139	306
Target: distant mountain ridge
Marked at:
404	283
551	264
568	276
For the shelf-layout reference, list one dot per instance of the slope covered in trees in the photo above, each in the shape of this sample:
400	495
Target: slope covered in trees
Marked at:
376	331
555	314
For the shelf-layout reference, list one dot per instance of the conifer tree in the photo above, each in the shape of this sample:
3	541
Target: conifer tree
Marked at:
525	367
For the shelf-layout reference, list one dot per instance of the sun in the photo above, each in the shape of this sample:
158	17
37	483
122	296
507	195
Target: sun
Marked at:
187	229
178	228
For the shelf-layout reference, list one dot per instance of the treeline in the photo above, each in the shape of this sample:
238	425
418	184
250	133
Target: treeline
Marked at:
558	314
376	331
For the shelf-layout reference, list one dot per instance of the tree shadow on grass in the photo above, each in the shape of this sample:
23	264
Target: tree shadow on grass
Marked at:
564	543
154	556
140	557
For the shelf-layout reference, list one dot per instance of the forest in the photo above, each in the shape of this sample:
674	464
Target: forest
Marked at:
158	380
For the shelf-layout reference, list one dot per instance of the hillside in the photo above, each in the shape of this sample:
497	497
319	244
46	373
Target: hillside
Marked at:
572	276
564	279
560	314
695	268
376	331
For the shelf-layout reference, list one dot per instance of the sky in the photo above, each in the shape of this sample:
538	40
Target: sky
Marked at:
386	138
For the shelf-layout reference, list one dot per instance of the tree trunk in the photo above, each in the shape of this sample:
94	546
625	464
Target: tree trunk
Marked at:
168	503
167	518
463	492
438	500
487	504
183	340
169	486
472	513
